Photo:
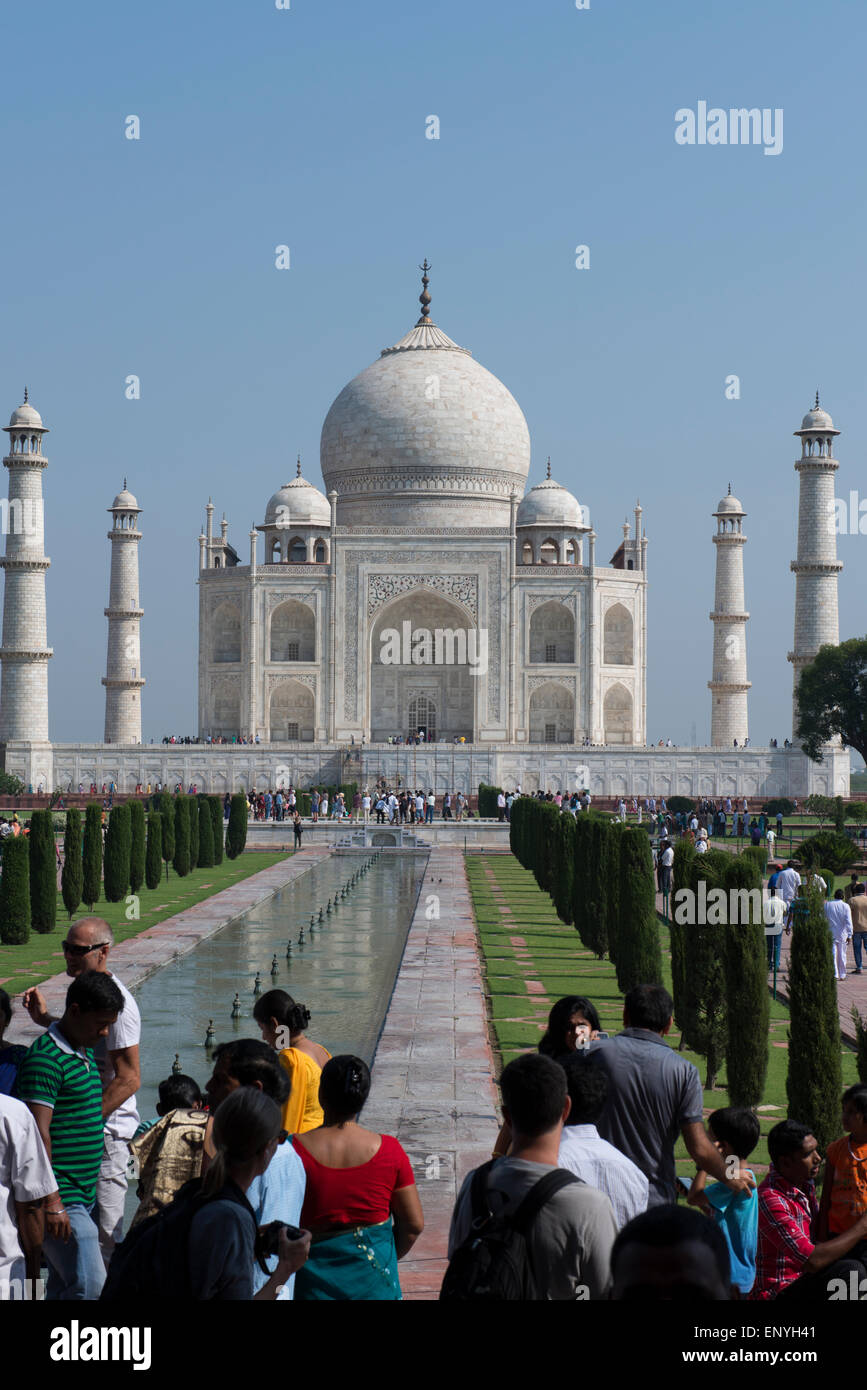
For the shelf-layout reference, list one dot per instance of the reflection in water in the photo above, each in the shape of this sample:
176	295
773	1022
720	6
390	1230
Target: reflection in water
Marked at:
344	972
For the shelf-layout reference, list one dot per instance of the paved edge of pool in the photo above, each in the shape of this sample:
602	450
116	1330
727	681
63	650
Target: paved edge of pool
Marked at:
433	1070
134	960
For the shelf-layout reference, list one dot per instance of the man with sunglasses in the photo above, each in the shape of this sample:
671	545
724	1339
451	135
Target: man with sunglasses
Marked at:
86	949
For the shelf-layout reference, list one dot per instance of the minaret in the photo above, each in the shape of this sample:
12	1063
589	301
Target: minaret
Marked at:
816	567
25	655
123	679
729	720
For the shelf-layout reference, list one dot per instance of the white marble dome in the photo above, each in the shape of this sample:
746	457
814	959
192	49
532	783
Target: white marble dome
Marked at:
729	504
25	417
550	504
306	505
124	502
425	434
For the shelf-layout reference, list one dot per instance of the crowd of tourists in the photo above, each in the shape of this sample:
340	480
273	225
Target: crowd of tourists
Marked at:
262	1183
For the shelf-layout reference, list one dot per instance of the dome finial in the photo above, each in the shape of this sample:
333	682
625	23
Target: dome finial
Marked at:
730	489
298	467
548	474
25	395
816	406
124	484
424	297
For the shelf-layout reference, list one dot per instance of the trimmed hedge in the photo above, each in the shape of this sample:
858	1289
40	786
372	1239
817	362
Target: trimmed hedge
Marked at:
814	1083
166	808
746	973
137	845
118	847
43	873
236	834
15	891
488	801
181	859
202	813
216	809
830	848
639	959
72	874
193	822
154	851
91	886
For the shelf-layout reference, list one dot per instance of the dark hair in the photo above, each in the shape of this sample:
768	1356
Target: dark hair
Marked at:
95	992
648	1006
5	1008
736	1127
553	1041
787	1138
179	1093
344	1086
250	1060
243	1126
588	1089
534	1092
277	1004
856	1096
666	1226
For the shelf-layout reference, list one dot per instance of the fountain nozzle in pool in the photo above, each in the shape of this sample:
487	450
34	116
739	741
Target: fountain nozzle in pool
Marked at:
257	984
236	1006
210	1035
275	969
289	951
176	1065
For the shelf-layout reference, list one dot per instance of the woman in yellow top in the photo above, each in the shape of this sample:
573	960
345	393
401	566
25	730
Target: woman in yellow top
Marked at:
282	1023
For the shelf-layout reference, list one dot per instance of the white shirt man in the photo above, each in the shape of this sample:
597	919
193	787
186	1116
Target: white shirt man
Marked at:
365	806
788	884
592	1159
771	837
839	917
26	1176
701	846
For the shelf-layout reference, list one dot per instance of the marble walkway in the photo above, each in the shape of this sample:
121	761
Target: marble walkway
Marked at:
133	960
433	1069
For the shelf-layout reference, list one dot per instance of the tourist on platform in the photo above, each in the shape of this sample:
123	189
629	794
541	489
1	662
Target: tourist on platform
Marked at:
282	1023
735	1132
587	1155
670	1254
60	1083
298	829
572	1023
314	805
430	807
86	948
361	1203
222	1237
654	1096
858	909
168	1152
839	918
278	1193
365	806
323	805
844	1186
790	1263
571	1238
501	806
460	802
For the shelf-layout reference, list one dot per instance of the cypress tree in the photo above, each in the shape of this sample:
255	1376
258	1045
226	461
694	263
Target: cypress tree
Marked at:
216	806
137	845
580	875
118	846
639	959
206	832
181	860
72	873
15	891
166	808
236	834
684	854
43	873
704	1025
609	872
746	972
193	818
154	851
92	855
814	1083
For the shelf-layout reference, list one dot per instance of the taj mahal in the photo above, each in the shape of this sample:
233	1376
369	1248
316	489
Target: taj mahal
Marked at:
426	617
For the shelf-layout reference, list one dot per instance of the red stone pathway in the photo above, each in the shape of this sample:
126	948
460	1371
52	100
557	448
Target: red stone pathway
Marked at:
433	1069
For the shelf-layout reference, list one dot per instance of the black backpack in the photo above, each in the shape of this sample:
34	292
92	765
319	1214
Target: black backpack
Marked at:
152	1261
493	1263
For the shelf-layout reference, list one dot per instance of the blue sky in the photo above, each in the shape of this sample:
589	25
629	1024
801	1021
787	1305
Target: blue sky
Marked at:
307	127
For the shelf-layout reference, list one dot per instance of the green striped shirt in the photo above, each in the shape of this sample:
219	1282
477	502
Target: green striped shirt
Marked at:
52	1074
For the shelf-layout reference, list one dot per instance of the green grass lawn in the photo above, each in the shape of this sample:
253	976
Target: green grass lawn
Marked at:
533	947
41	956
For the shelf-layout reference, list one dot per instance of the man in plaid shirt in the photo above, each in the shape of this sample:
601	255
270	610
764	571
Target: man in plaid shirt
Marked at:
788	1262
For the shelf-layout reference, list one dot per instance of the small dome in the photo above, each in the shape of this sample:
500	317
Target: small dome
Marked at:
124	502
550	504
304	503
817	419
729	504
24	417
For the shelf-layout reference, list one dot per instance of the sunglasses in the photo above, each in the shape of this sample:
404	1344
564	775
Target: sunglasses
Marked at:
70	949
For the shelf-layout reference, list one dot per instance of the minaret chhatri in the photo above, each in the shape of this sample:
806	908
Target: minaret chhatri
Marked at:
729	721
816	568
123	679
25	653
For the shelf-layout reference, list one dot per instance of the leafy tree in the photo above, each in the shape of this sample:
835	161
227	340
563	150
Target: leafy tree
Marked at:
11	785
43	873
487	801
822	807
71	876
857	811
779	805
154	851
193	820
216	807
758	854
118	847
639	960
832	699
15	891
746	975
836	851
91	886
181	860
814	1082
137	845
236	834
202	811
705	1028
680	803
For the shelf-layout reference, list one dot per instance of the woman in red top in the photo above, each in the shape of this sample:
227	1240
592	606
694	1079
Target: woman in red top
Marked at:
361	1202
